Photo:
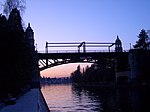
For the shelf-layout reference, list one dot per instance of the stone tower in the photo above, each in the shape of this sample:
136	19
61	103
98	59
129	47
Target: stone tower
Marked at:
118	45
30	36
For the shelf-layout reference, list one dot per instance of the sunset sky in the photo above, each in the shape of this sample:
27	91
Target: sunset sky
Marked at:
63	70
86	20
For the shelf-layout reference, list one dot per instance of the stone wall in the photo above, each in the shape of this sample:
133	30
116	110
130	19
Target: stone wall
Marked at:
139	61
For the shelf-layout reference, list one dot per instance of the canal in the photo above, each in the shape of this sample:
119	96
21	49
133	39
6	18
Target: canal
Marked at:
73	98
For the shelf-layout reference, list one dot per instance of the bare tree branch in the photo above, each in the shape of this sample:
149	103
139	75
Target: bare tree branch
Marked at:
11	4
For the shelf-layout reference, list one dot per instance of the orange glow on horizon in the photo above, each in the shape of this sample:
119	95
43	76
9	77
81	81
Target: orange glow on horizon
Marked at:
62	70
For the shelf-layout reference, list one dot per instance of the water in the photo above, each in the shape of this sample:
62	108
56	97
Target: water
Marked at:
70	98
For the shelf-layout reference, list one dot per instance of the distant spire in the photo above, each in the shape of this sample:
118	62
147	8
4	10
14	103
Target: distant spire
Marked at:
118	40
29	28
28	24
117	37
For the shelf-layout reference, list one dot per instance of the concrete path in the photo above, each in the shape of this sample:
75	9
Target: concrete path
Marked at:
26	103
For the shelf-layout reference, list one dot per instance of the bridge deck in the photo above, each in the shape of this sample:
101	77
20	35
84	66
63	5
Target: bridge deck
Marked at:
53	59
73	55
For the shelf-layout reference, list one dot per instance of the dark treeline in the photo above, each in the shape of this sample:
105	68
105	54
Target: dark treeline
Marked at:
17	56
95	73
61	80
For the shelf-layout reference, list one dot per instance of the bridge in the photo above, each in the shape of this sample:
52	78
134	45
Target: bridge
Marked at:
112	58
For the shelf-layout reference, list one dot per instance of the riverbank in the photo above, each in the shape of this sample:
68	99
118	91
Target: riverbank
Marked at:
32	101
142	83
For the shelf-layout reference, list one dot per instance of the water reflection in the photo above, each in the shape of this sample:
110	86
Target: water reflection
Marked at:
73	98
86	99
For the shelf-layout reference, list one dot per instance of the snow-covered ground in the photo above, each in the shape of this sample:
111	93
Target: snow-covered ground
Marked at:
29	102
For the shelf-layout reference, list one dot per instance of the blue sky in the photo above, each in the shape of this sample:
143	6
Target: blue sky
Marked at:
87	20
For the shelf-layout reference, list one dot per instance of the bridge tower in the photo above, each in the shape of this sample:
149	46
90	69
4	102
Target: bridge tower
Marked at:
118	45
121	67
30	36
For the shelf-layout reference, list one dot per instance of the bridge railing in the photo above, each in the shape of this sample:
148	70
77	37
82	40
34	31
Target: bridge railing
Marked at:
76	51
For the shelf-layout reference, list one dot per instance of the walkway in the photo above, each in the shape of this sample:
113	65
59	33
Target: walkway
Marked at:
29	102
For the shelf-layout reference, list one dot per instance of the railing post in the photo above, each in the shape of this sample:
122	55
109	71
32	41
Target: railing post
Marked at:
78	49
84	47
108	49
46	51
46	47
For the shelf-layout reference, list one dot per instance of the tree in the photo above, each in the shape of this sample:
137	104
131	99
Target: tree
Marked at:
18	67
77	75
11	4
3	56
14	20
142	43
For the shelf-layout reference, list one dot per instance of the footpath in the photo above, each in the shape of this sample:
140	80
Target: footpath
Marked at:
32	101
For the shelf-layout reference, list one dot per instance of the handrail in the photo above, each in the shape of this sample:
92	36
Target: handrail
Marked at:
85	45
76	51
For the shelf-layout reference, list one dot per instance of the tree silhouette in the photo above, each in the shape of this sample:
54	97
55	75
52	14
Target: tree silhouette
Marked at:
77	75
142	42
3	56
19	54
94	73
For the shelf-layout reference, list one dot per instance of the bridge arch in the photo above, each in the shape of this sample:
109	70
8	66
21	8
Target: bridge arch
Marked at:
63	70
54	59
60	62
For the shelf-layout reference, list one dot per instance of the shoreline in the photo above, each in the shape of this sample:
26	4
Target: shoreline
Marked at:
144	83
